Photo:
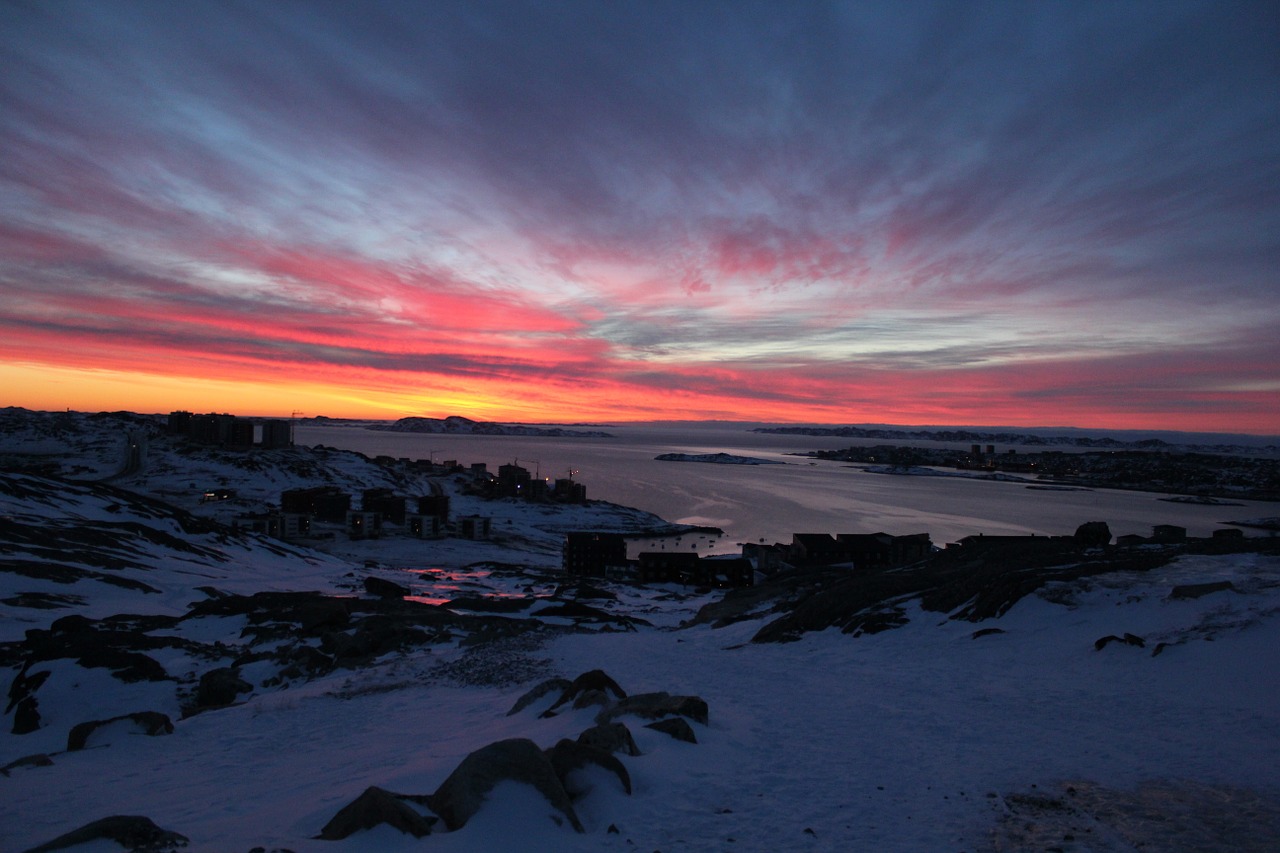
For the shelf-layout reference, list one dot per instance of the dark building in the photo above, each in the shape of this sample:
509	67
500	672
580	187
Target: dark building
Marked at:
817	549
475	527
328	503
568	491
513	481
668	567
434	505
726	572
364	524
425	526
211	429
592	554
277	434
179	423
242	433
871	551
391	506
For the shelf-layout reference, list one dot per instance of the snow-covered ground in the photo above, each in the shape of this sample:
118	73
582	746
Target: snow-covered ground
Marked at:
924	737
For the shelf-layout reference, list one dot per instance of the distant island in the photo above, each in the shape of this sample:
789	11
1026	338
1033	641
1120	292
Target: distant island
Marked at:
1013	438
716	459
458	425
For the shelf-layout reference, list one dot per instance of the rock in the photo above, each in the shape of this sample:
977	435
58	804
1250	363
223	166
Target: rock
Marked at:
568	756
1093	534
376	806
37	760
384	588
595	681
986	632
653	706
220	687
517	759
677	727
132	832
587	698
151	723
1196	590
551	685
321	614
611	737
1127	639
26	716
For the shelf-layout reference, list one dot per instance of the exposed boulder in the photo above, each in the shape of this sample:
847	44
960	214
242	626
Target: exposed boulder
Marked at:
653	706
677	727
383	588
611	737
26	716
1127	639
1093	534
551	685
37	760
220	687
22	700
376	806
150	723
568	756
518	759
133	832
594	681
1197	590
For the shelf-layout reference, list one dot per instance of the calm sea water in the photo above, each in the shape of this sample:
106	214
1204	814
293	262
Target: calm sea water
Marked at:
770	502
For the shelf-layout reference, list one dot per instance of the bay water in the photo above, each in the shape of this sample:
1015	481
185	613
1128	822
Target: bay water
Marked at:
768	503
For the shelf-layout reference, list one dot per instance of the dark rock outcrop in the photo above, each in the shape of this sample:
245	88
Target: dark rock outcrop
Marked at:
1197	590
653	706
37	760
133	832
148	722
568	756
220	687
611	737
676	727
374	807
596	681
517	759
551	685
1127	639
383	588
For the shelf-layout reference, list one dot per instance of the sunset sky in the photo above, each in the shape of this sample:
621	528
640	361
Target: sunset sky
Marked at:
961	213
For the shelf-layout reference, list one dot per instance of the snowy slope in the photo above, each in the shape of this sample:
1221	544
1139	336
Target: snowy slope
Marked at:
919	738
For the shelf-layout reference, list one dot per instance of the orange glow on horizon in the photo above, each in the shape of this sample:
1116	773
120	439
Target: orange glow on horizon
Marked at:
55	388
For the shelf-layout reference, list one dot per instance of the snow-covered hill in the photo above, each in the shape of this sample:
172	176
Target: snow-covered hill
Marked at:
240	692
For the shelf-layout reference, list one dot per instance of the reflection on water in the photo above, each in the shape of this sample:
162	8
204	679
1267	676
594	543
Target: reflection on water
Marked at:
771	502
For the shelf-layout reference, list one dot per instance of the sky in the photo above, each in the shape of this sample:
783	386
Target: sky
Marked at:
916	213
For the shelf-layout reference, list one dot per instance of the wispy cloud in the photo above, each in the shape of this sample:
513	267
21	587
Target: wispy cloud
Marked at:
946	211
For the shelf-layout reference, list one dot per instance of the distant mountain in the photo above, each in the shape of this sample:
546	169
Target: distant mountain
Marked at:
458	425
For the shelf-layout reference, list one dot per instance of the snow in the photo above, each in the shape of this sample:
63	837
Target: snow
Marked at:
920	738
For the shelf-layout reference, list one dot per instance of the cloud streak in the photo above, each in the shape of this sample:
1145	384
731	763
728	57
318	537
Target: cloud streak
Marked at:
839	212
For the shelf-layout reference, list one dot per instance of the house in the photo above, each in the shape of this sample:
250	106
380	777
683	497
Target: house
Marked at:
724	572
817	549
592	554
668	567
872	551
